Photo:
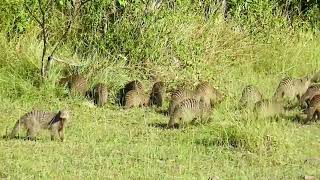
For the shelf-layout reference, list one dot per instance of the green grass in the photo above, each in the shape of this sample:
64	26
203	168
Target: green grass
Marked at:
110	142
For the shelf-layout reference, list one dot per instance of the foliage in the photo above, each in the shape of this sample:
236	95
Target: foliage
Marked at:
180	43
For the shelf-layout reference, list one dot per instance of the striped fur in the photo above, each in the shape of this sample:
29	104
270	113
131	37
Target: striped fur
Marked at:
135	98
133	85
157	94
210	95
77	85
100	94
187	110
35	120
309	94
313	111
268	108
250	95
177	96
290	88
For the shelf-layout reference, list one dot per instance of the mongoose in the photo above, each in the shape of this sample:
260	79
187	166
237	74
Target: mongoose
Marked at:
210	95
188	110
313	90
36	120
313	111
268	108
135	98
250	95
77	84
177	96
132	85
157	94
100	94
316	77
291	88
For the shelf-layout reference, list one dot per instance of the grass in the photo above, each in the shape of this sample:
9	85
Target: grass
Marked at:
110	142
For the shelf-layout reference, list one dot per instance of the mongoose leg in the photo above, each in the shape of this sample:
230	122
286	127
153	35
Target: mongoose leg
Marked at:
61	134
54	134
31	134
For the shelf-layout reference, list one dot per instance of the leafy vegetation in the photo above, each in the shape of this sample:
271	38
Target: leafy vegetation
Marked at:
181	42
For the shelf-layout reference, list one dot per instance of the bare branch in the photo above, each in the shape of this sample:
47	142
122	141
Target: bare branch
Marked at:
65	62
68	27
41	9
225	8
72	17
33	16
48	5
44	36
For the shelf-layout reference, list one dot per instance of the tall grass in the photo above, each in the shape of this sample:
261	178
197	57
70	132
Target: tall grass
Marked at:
181	47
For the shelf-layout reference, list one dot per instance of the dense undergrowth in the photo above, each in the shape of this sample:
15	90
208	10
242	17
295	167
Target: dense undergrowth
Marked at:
180	47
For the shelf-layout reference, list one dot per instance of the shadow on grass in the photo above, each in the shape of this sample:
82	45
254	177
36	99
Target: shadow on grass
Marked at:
234	143
162	112
120	97
7	137
163	126
299	118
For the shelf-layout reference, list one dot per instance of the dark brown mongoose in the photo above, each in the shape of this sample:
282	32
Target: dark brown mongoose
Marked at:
313	111
305	99
157	94
100	94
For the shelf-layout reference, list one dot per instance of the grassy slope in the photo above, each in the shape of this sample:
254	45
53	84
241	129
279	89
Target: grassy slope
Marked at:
111	142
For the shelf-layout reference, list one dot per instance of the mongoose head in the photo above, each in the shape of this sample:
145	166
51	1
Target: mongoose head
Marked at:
316	77
64	115
304	84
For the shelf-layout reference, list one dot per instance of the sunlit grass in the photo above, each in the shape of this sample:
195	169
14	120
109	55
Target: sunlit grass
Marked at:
110	142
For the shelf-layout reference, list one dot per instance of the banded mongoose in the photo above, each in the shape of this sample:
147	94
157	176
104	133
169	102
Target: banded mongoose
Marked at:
291	88
36	120
210	95
313	90
249	97
313	111
268	108
177	96
188	110
157	94
132	85
77	84
100	94
135	98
